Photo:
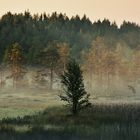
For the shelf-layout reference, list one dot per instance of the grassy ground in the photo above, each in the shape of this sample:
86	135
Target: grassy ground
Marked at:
20	103
40	115
98	122
14	103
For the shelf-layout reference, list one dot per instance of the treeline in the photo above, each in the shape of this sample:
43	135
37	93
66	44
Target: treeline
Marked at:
37	32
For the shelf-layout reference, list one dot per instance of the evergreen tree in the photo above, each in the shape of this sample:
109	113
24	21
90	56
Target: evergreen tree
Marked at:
72	80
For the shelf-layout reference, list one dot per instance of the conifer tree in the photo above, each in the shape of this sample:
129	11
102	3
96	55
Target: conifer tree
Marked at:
75	94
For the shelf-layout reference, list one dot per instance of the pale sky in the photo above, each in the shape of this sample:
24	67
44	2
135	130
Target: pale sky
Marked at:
117	10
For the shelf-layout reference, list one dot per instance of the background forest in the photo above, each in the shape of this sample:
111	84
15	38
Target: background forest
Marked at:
109	55
36	32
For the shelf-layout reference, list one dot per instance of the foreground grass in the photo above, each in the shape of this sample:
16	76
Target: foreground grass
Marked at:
100	122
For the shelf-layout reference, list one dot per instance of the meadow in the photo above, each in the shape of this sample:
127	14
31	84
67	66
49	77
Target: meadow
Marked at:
39	115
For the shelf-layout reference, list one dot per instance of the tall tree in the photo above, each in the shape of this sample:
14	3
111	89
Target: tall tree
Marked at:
49	58
94	62
14	58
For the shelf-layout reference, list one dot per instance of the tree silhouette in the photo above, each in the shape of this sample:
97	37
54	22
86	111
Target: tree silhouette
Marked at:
72	80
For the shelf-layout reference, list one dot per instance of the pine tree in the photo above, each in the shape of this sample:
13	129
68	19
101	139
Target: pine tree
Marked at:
72	81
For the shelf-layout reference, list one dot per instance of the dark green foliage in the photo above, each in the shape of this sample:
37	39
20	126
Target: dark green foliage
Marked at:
72	80
36	32
49	57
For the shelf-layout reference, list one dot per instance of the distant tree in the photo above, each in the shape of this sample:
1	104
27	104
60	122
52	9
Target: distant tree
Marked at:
110	65
94	62
2	80
135	67
14	57
64	53
49	58
72	80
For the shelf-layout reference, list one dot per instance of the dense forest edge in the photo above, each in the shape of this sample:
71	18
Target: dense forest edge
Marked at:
36	32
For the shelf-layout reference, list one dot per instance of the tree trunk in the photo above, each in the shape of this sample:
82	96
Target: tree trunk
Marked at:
74	108
51	79
1	79
108	81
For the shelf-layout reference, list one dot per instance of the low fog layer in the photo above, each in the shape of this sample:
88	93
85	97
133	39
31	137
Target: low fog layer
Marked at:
30	86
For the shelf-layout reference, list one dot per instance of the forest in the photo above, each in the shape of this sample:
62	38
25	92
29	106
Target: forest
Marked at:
36	32
49	59
109	55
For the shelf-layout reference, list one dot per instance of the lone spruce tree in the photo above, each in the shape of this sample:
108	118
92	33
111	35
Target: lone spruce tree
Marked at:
75	94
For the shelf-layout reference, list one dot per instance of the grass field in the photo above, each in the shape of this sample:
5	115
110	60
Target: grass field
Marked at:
40	115
14	103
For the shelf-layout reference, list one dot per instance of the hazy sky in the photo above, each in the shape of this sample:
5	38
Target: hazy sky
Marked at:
117	10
